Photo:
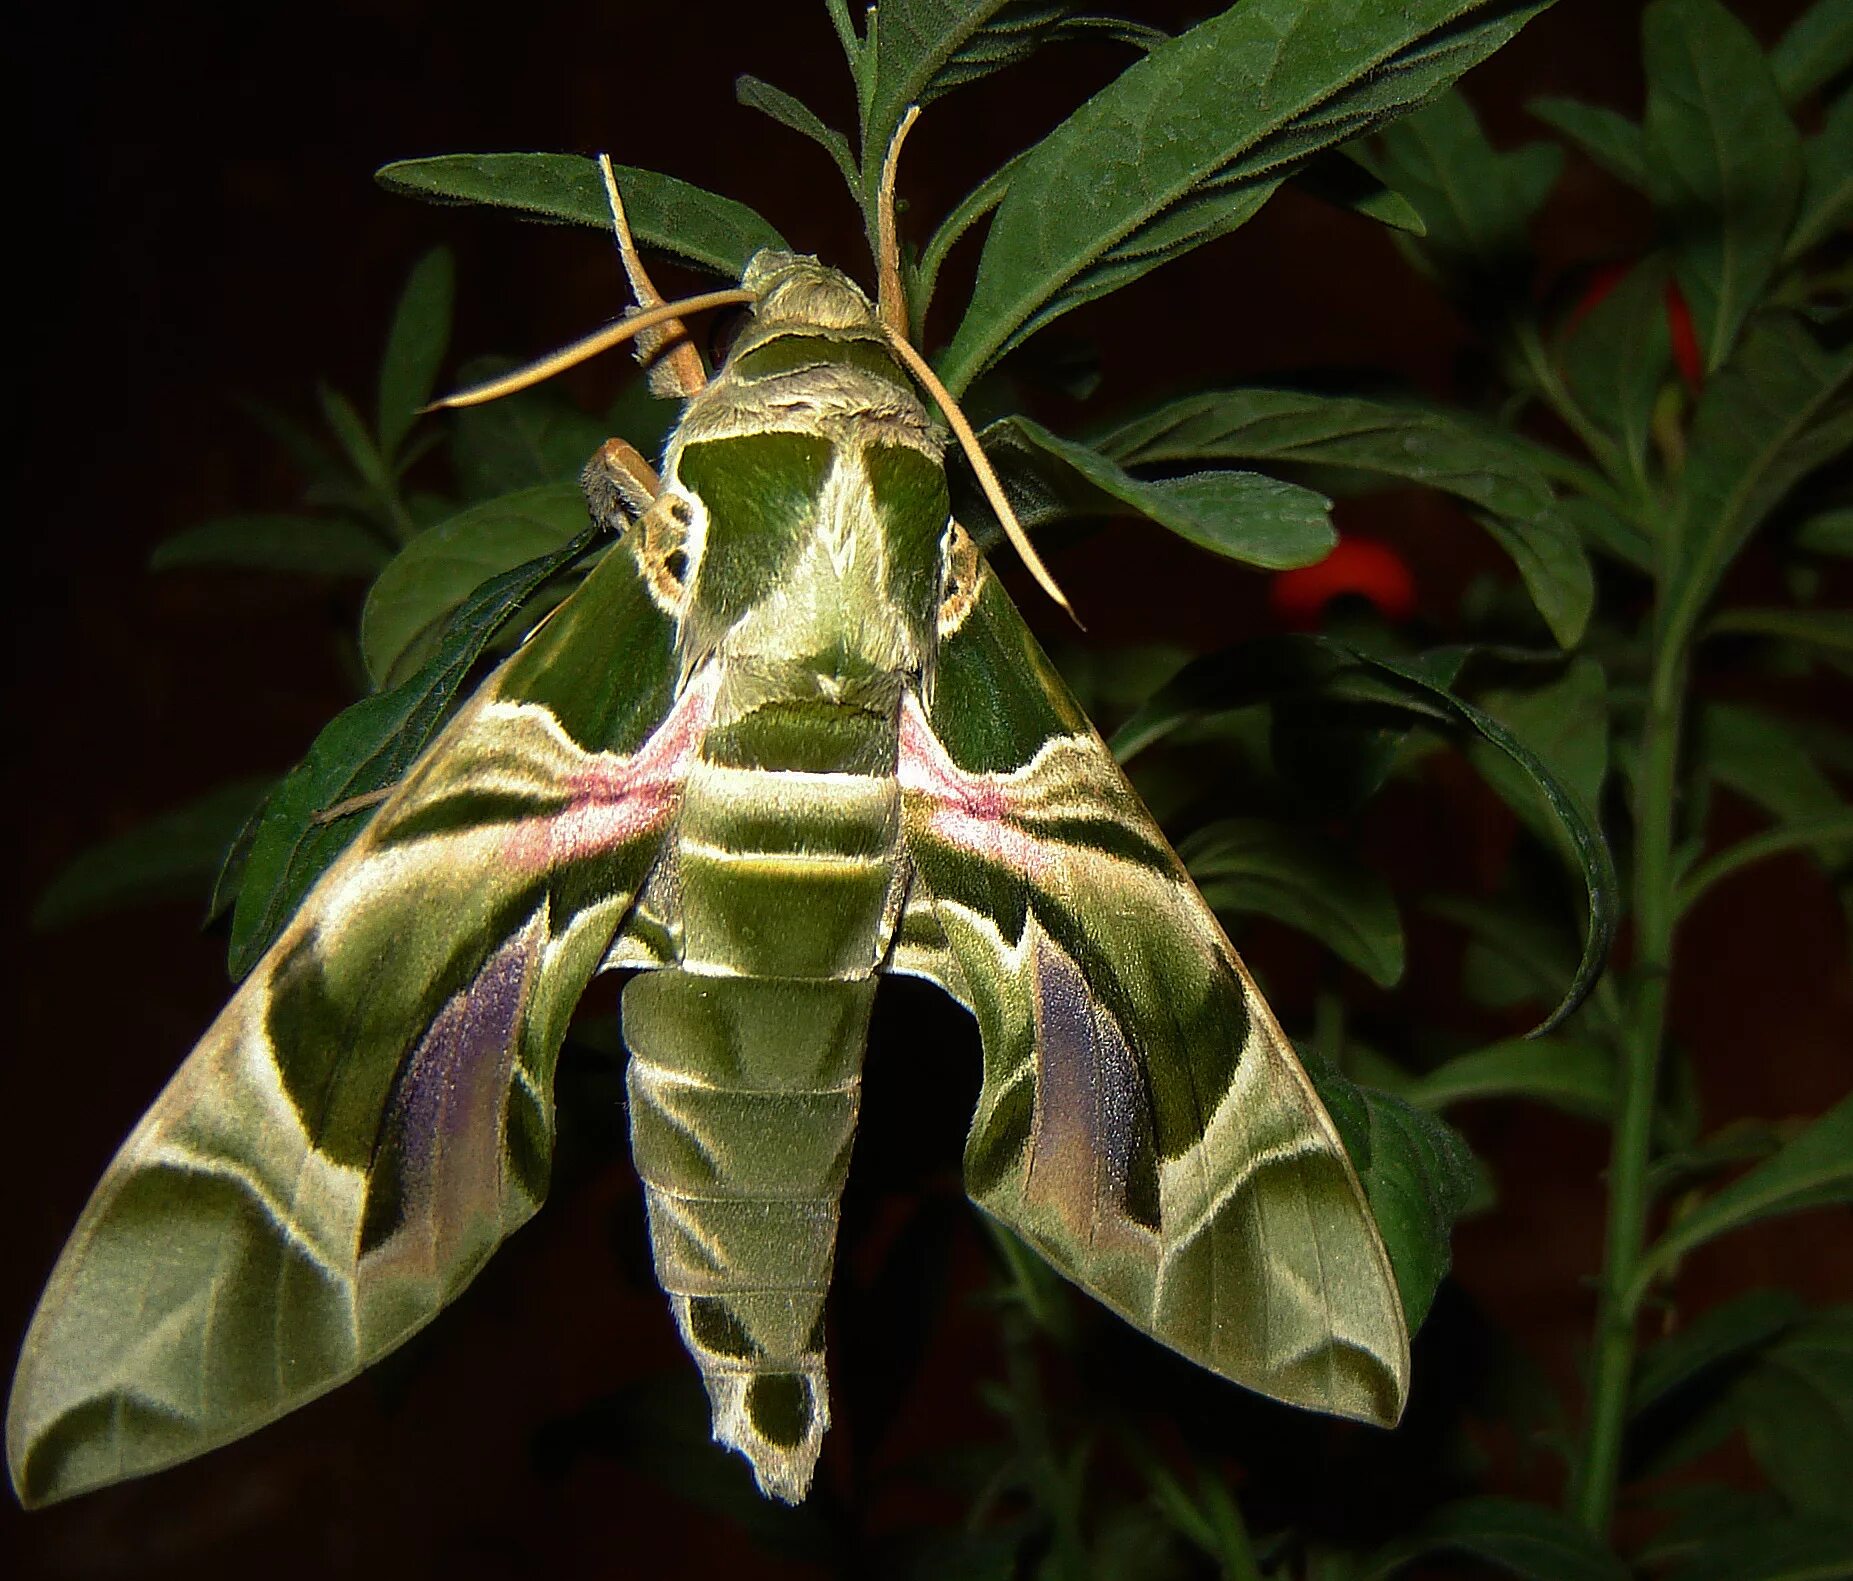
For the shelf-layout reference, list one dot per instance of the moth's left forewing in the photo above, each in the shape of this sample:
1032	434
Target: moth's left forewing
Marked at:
1142	1120
371	1114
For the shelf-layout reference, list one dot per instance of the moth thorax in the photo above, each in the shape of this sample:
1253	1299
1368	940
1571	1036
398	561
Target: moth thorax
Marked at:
795	289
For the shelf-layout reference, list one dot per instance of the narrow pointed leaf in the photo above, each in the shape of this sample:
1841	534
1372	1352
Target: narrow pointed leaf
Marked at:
358	445
1760	757
921	49
794	113
1813	1170
1574	1074
314	545
1188	142
1342	179
1526	1540
1607	137
440	568
1817	48
415	346
1784	1547
172	856
1566	723
1797	1405
1827	181
1726	1334
1281	667
714	232
1417	1174
1387	441
522	440
1476	201
1829	629
1831	532
1305	880
1725	161
1243	515
1762	425
364	749
1616	359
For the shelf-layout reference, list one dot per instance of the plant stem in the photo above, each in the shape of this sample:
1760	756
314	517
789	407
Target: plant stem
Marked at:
1655	912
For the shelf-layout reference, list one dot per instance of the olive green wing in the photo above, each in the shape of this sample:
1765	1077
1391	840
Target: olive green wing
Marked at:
372	1112
1143	1122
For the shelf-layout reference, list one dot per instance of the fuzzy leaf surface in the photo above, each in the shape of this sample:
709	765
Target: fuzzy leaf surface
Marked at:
439	569
1381	440
714	232
1189	142
1724	160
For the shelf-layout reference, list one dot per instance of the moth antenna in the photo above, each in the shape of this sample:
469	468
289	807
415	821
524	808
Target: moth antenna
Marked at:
891	292
582	350
974	453
678	370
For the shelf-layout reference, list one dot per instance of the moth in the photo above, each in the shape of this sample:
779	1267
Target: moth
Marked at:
789	734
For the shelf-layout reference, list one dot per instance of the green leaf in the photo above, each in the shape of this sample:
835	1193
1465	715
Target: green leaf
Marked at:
439	569
522	440
1817	48
1280	667
1616	359
314	545
922	49
1189	142
1812	1170
1574	1074
415	346
1761	758
1780	1548
1476	201
1611	140
1243	515
1827	181
1383	440
1831	532
1725	162
1830	836
363	750
1517	1539
1515	953
714	232
1759	429
1725	1335
1566	723
1304	879
1342	179
173	856
1797	1405
357	444
1417	1174
799	117
1831	629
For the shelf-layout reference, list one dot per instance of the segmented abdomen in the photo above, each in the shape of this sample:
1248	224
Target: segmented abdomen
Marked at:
746	1063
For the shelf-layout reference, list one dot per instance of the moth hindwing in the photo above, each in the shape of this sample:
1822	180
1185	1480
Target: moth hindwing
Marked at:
788	734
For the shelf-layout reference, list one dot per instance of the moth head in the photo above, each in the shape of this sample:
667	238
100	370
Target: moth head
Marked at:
795	289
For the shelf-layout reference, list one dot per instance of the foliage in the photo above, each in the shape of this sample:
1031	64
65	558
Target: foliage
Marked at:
1623	488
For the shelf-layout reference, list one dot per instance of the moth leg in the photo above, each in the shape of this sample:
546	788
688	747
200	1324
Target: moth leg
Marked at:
673	366
360	803
619	485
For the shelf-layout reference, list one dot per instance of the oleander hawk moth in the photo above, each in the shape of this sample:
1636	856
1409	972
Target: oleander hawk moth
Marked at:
790	733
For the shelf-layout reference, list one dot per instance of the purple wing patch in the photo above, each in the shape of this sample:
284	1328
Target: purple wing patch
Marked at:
438	1178
1090	1151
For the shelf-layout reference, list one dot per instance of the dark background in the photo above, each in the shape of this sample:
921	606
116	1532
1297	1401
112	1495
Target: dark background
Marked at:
199	223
